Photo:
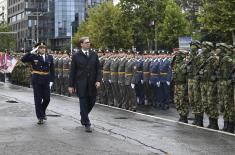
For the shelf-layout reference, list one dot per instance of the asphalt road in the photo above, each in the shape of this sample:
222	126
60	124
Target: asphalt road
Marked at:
115	131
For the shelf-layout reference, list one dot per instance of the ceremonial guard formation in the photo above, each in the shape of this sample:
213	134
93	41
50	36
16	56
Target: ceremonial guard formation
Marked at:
202	79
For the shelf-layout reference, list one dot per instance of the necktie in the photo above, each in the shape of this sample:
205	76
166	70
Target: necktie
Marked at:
87	54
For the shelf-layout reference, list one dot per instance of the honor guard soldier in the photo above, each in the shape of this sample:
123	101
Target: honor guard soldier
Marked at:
114	78
42	78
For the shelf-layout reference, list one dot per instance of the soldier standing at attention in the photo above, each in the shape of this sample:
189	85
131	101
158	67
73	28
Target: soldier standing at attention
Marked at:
225	87
180	83
209	84
194	95
114	79
130	83
42	78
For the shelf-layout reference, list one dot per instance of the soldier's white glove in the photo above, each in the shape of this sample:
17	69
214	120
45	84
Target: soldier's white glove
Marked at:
50	85
110	81
132	85
168	83
149	82
142	81
158	84
34	51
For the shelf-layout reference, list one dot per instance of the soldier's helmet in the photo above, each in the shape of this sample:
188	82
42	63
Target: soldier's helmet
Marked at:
40	44
222	45
195	43
207	44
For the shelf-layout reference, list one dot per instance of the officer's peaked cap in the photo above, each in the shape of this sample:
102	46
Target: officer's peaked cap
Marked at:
40	44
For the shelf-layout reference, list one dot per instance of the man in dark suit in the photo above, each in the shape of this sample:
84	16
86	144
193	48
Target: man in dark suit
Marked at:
42	78
84	79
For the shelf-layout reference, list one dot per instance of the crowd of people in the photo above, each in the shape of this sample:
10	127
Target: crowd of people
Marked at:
201	80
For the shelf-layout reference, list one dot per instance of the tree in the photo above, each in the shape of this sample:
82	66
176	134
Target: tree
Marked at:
106	28
191	8
219	17
7	41
143	16
174	25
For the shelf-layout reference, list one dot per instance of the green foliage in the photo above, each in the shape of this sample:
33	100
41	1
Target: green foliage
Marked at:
191	8
174	26
140	13
106	28
218	16
7	41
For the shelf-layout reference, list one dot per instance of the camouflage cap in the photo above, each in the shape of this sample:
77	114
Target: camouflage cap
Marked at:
196	43
222	45
207	44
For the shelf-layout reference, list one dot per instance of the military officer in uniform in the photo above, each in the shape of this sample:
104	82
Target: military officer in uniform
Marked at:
42	78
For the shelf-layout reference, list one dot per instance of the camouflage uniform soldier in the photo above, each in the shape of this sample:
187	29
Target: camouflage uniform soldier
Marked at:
226	88
180	89
56	85
60	74
194	96
66	66
209	84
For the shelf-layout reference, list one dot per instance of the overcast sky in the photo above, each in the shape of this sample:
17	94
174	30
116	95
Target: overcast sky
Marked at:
115	1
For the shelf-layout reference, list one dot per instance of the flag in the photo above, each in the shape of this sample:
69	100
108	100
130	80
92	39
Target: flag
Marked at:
7	63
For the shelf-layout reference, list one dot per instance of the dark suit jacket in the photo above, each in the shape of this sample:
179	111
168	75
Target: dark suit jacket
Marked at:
84	73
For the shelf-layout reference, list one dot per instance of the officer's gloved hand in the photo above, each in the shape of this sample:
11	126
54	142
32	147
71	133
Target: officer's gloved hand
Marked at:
132	85
168	83
110	81
158	84
34	51
149	82
51	83
142	81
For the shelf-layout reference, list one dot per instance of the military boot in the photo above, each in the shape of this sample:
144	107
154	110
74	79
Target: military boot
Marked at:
213	124
183	119
210	123
199	121
225	128
230	127
195	120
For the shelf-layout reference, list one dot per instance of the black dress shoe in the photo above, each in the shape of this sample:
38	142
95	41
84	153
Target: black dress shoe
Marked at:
45	118
40	121
88	129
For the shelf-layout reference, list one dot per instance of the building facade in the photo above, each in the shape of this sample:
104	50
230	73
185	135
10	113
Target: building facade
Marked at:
3	11
51	21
